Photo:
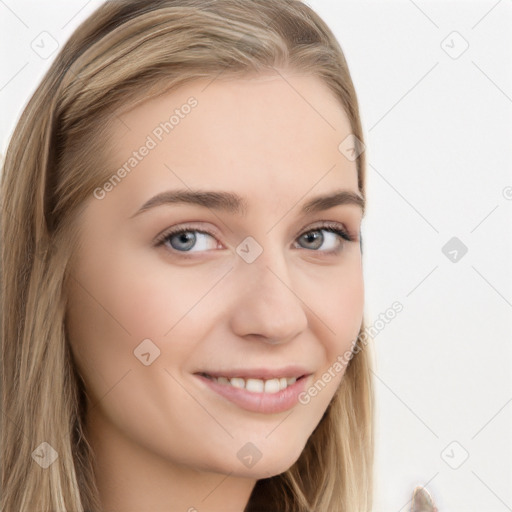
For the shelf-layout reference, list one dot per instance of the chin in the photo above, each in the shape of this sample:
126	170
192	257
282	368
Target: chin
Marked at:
268	467
259	472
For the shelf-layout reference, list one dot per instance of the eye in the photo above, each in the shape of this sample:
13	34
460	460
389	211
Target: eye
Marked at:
333	240
188	239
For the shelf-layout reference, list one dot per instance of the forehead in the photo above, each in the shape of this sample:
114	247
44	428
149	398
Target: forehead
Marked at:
277	131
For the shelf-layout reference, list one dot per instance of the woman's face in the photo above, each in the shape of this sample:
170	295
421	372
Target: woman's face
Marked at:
256	289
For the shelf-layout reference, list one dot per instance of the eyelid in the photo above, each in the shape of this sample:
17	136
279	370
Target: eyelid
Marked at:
324	224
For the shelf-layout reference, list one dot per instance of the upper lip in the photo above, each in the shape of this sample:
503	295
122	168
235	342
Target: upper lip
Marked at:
259	373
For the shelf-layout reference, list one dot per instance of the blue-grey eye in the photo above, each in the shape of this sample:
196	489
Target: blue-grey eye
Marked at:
317	238
185	240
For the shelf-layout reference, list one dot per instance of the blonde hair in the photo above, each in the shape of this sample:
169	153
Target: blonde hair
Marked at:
124	53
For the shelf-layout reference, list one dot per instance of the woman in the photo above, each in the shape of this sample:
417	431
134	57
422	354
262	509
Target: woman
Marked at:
148	369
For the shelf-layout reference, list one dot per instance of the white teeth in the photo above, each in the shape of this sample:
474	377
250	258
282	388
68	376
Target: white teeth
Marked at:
254	385
237	382
257	385
272	386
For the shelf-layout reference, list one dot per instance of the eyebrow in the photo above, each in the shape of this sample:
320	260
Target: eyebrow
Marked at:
237	205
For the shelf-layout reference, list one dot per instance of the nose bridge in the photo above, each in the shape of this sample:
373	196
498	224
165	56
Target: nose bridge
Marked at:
267	304
269	270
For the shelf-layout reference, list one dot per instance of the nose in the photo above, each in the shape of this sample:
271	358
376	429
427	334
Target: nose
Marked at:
266	307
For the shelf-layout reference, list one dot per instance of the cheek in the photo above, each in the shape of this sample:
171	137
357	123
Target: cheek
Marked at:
338	305
108	316
338	301
159	295
114	307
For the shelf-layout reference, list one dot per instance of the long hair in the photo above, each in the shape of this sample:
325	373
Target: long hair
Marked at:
123	54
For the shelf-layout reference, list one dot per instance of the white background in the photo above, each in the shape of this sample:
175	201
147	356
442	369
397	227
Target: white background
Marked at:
438	129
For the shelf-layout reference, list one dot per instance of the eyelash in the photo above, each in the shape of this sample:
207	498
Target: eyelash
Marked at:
330	227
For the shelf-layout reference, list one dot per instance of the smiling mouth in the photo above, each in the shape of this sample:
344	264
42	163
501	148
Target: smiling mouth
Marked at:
252	385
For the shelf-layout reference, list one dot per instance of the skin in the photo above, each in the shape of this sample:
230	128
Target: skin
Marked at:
163	441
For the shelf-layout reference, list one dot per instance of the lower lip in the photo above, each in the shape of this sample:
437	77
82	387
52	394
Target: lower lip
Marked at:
266	403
